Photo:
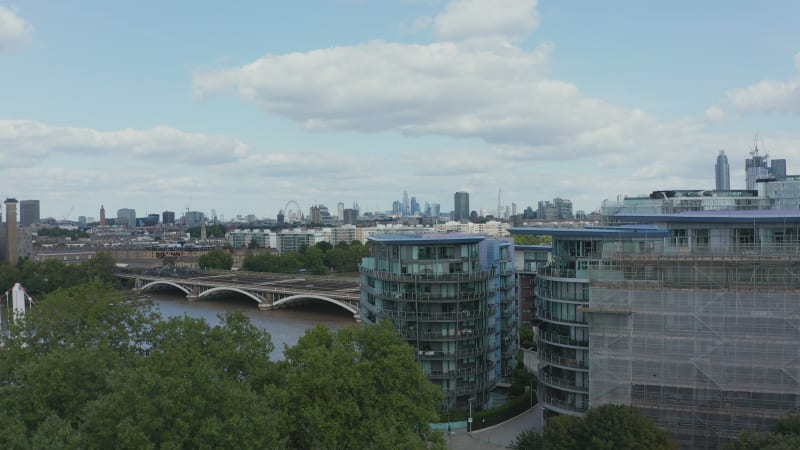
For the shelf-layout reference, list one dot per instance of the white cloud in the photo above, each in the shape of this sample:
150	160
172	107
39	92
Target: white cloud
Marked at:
769	95
13	29
505	19
497	93
715	114
24	140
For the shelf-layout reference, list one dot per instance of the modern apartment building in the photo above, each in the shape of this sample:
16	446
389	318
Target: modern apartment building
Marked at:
292	241
694	319
527	259
451	297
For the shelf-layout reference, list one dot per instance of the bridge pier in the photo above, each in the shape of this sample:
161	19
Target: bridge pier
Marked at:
193	296
264	306
357	317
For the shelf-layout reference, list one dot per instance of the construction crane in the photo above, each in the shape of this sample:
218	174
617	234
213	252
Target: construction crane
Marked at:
67	214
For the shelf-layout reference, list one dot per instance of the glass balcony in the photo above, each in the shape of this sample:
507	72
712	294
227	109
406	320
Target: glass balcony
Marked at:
557	339
569	363
559	382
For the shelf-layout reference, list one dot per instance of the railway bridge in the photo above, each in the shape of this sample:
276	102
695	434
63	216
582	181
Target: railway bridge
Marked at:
269	291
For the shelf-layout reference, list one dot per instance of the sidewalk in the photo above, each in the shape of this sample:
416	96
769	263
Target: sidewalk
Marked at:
498	436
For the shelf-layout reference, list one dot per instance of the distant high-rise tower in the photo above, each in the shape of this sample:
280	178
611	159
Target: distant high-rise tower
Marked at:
722	172
406	204
12	242
755	168
28	212
778	168
102	216
340	210
168	217
461	207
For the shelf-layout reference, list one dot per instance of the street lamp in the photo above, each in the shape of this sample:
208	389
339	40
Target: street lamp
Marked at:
469	421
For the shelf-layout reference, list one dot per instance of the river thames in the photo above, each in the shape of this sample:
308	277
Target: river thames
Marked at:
285	326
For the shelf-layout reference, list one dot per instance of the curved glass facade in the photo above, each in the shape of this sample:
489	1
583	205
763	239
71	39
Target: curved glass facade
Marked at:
444	303
563	340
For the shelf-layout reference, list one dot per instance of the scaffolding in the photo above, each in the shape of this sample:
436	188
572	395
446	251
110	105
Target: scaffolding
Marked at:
706	343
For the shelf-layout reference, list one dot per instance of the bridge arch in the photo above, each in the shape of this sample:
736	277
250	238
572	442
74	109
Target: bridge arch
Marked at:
231	289
169	283
345	305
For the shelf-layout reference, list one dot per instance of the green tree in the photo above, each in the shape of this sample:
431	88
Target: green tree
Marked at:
785	435
527	440
216	259
373	395
194	389
607	427
253	244
529	239
314	260
324	246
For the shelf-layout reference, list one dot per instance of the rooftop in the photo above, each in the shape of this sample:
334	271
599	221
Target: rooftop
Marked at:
595	231
427	238
752	216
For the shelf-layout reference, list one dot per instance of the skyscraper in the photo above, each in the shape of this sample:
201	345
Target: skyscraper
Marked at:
168	217
778	168
461	206
12	242
756	168
722	172
102	216
126	217
28	212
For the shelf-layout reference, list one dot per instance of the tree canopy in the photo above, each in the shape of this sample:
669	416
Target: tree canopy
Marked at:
606	427
88	368
785	435
529	239
42	277
317	259
216	259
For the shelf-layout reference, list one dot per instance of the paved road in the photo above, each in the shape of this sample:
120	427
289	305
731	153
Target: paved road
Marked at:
498	436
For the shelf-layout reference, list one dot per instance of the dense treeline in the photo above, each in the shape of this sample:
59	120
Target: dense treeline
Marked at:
319	259
784	436
42	277
90	369
604	427
212	231
62	232
216	259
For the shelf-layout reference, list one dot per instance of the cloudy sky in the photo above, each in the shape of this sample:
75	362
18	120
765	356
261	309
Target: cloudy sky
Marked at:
243	106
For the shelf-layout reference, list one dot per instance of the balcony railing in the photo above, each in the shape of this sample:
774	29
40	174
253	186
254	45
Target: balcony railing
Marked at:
558	339
561	361
557	272
578	405
471	352
550	317
429	277
462	372
438	336
680	247
438	316
559	382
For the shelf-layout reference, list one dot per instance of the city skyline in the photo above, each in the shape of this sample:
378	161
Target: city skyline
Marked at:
243	108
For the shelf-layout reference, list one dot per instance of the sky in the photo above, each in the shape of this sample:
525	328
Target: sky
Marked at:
244	106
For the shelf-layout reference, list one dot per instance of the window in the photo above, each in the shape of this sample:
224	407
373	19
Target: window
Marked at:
679	237
700	237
